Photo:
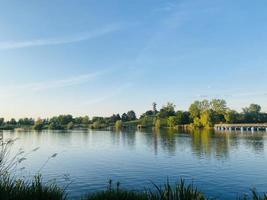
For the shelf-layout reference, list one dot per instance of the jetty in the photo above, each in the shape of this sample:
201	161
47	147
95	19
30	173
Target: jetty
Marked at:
241	127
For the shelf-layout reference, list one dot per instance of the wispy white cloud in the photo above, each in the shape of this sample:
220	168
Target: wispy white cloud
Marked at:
60	40
18	90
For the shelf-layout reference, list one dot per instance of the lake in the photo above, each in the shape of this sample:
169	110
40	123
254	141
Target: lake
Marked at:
220	164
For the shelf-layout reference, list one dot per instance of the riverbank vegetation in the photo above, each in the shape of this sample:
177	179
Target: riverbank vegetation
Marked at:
201	114
17	189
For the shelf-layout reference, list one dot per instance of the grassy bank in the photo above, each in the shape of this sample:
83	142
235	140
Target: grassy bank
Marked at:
13	189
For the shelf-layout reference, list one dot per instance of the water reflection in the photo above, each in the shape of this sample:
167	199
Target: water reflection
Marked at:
204	143
136	156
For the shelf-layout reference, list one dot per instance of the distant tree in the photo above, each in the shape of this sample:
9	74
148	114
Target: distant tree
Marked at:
131	115
124	117
2	121
12	122
171	121
78	120
167	110
252	113
195	109
118	124
157	123
70	125
231	116
147	113
114	118
218	105
39	124
26	122
207	118
253	108
154	105
85	120
197	123
147	121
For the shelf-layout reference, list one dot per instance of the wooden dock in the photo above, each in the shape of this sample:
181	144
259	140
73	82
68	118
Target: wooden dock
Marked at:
241	127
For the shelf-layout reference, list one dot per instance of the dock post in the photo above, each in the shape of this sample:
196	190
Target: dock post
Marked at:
252	129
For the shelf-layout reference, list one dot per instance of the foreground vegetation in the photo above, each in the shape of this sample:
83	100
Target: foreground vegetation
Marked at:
200	114
11	189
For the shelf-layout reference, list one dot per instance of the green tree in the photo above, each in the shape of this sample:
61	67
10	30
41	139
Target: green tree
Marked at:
39	124
157	123
131	115
219	106
171	121
231	116
70	125
118	124
124	117
253	108
2	121
154	107
167	110
147	121
207	118
85	120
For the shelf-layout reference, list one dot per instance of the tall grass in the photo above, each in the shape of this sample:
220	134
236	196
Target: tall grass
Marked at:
17	189
179	192
12	188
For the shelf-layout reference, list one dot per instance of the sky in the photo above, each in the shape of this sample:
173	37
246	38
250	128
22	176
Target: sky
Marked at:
96	58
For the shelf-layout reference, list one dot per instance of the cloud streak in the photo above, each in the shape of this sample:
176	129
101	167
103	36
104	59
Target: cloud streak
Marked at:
17	90
61	40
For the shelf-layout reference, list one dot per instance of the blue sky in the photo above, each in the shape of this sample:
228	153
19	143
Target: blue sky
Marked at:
93	57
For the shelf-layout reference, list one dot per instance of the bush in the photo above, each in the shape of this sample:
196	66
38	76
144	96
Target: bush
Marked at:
12	189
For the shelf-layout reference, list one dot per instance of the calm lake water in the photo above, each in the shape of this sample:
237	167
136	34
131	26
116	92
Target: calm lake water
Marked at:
220	164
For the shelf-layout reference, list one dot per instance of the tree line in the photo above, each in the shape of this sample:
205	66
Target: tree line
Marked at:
200	114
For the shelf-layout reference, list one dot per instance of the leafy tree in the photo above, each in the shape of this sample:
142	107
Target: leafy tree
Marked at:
12	122
114	118
195	109
118	124
147	121
182	117
231	116
167	110
207	118
124	117
85	120
26	122
2	121
154	105
171	121
70	125
197	123
147	113
157	123
253	108
131	115
218	105
39	124
252	113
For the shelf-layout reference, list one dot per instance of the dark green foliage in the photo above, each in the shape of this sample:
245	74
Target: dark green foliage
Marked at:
201	114
131	115
11	189
179	192
167	110
26	122
39	124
